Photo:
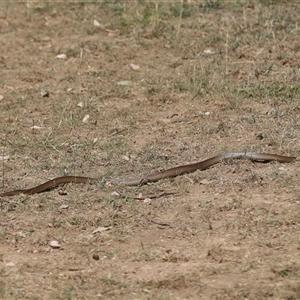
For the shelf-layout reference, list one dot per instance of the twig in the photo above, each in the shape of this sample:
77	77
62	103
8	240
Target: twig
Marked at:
159	223
154	196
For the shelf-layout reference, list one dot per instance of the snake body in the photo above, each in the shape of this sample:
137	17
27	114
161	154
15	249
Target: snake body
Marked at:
152	177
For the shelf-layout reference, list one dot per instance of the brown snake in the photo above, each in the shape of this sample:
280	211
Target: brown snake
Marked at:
172	172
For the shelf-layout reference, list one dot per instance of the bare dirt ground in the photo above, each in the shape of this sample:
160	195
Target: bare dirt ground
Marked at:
127	88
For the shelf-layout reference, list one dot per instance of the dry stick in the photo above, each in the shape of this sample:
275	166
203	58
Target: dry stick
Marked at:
226	54
3	172
154	196
159	223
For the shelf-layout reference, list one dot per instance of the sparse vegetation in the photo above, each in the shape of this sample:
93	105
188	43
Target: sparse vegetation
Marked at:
162	84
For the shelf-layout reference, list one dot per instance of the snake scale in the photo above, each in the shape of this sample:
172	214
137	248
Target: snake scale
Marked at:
152	177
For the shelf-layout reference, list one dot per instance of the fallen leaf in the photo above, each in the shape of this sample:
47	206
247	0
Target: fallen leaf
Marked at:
5	157
86	119
208	51
205	181
107	183
134	67
124	82
115	193
54	244
64	206
96	23
61	56
101	229
45	94
99	25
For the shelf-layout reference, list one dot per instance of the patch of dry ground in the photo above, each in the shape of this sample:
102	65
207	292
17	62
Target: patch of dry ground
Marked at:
212	77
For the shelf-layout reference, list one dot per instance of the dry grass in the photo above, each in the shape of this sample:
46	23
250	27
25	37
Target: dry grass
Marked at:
216	76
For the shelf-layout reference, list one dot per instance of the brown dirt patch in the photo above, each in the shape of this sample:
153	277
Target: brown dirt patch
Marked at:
213	77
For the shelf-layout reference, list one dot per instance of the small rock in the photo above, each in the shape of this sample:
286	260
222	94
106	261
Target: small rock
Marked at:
86	119
54	244
95	256
45	94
